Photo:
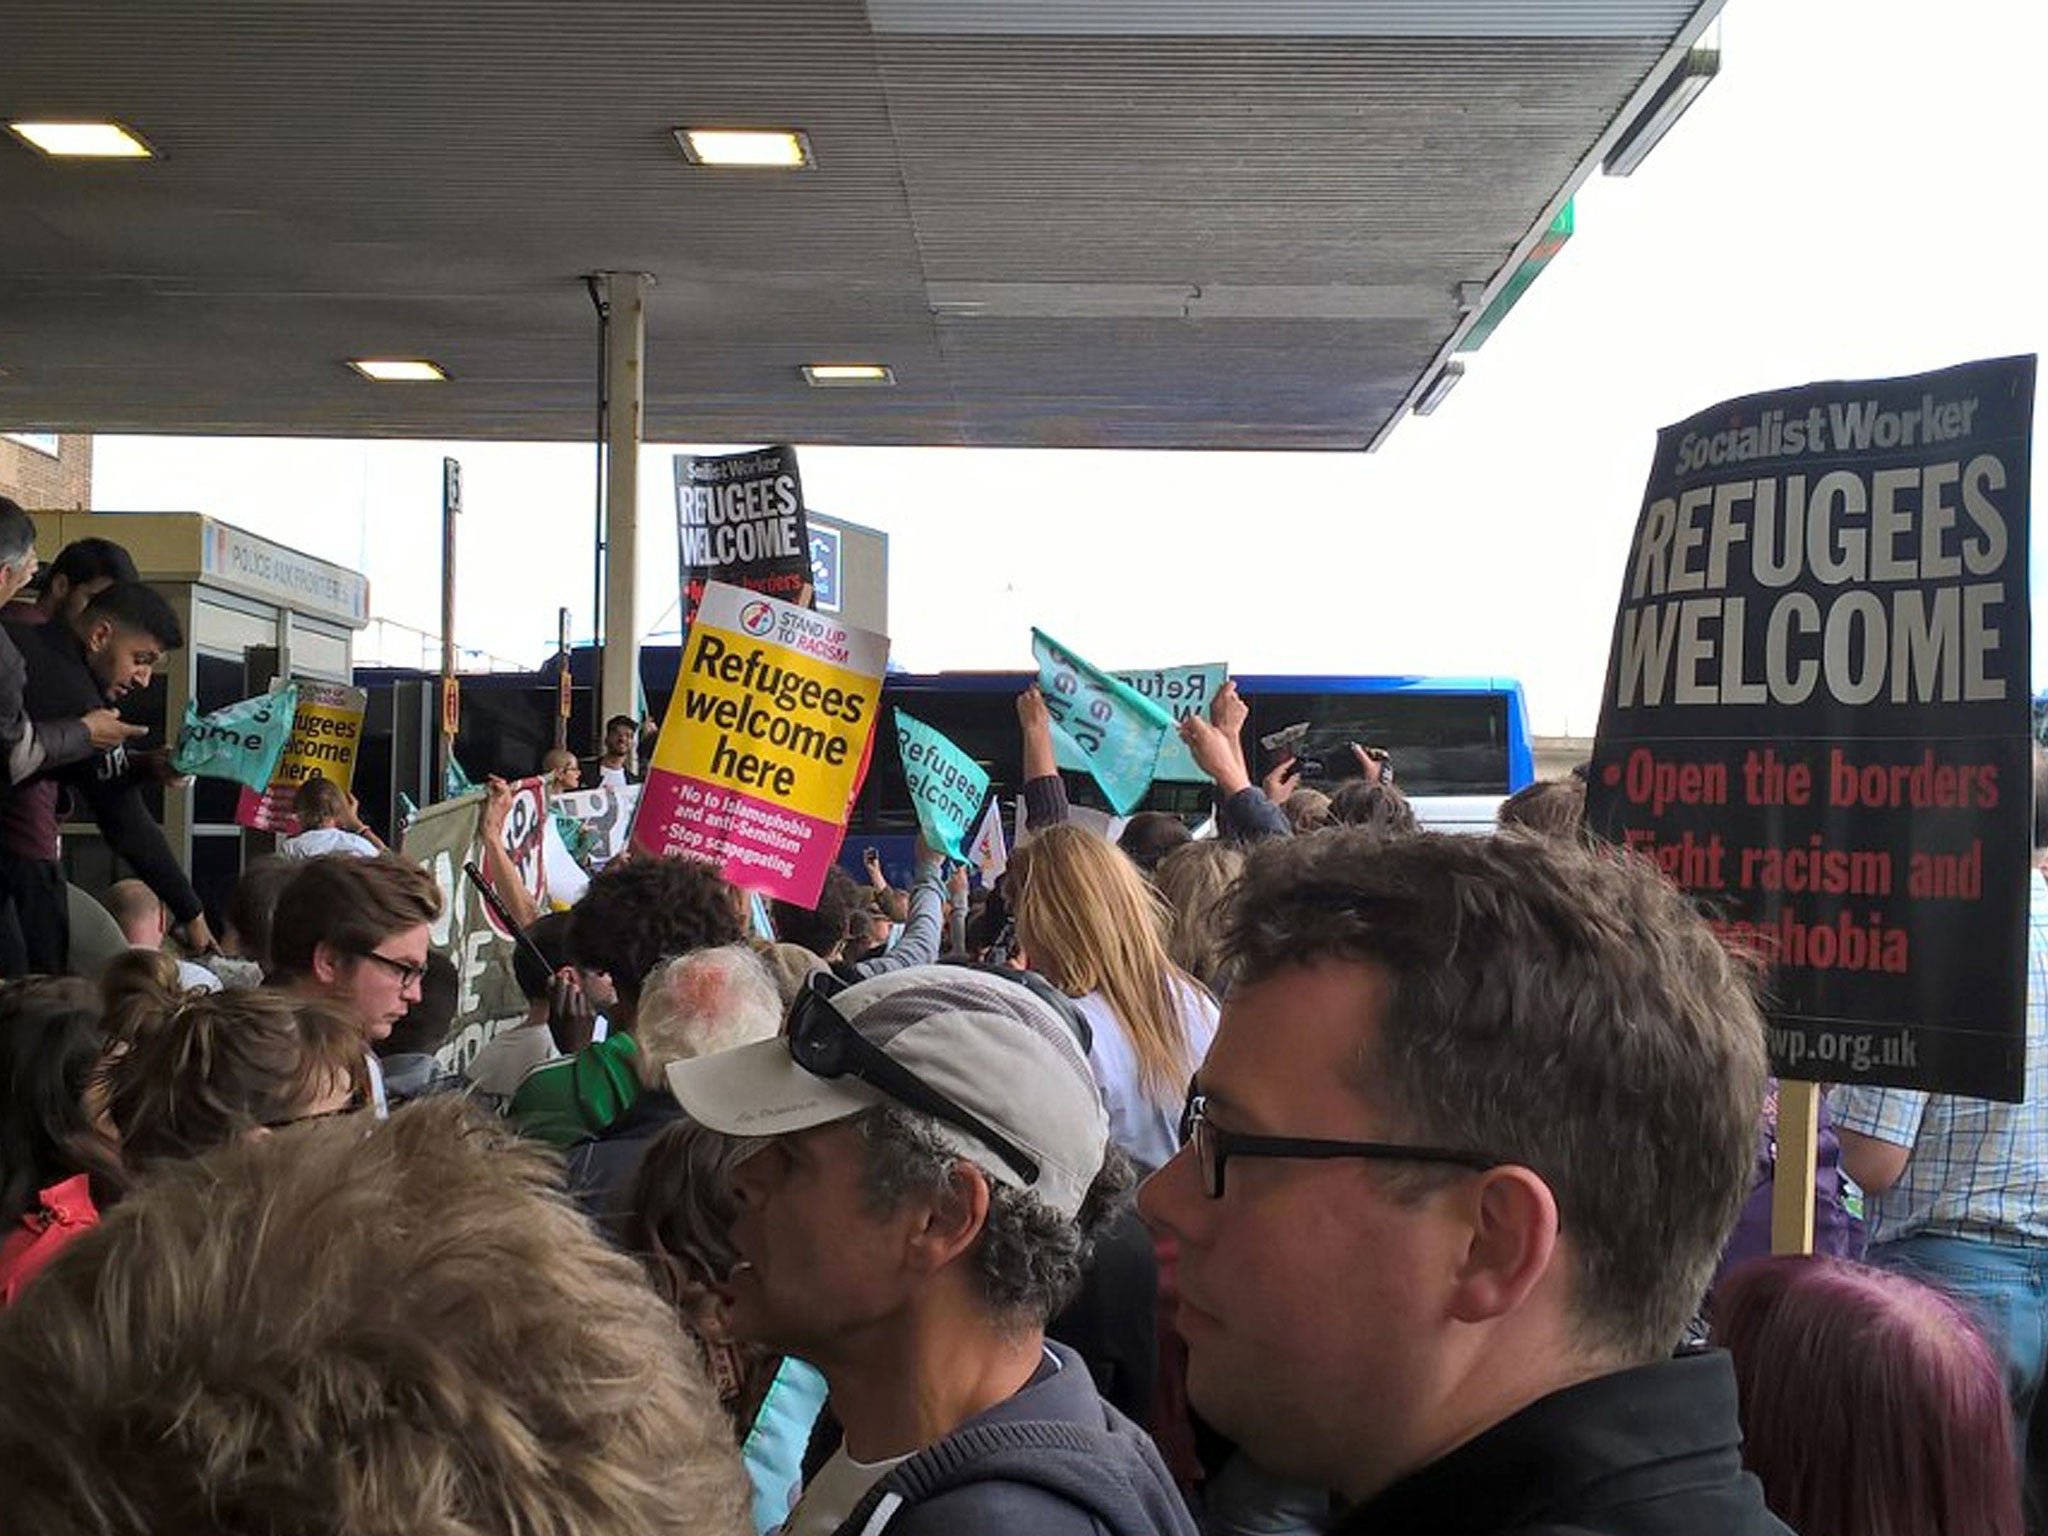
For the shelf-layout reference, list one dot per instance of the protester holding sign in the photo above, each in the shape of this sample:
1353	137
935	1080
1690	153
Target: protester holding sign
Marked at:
1243	813
1817	718
1958	1187
824	930
329	822
325	732
1180	691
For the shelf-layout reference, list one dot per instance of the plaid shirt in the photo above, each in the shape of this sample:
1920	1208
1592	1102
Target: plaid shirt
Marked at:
1977	1168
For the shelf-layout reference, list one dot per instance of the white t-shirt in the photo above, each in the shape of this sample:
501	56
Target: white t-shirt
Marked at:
611	778
829	1497
326	840
508	1057
1146	1129
194	977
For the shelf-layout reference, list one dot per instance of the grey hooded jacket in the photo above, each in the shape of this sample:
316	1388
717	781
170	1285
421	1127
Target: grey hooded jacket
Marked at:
1052	1460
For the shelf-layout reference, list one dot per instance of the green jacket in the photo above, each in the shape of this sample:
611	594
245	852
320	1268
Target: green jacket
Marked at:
579	1097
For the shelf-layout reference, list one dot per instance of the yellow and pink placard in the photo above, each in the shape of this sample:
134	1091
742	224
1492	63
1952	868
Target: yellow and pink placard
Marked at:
762	749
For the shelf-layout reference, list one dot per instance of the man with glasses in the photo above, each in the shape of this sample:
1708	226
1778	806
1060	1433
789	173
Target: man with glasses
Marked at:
356	932
938	1162
1475	1126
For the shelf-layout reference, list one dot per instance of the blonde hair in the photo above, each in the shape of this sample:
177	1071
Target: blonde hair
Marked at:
317	1329
1193	880
1088	922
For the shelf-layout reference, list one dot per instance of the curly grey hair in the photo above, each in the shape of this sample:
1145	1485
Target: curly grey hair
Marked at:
1028	1258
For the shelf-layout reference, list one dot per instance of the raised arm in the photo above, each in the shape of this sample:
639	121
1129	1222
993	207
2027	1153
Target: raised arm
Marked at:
1243	813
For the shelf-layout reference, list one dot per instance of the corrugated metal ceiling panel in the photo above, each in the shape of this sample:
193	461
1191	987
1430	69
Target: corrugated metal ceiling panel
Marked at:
1213	240
1283	18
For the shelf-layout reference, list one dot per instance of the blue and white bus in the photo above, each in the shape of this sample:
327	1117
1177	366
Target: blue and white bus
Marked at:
1459	745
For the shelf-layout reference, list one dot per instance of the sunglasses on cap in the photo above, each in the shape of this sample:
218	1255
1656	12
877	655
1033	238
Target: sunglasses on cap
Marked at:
823	1041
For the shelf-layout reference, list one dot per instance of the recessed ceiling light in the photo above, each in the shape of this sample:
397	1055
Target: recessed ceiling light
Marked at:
397	370
84	141
825	375
779	149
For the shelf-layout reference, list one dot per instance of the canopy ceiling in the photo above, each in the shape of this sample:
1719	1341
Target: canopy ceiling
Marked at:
1118	223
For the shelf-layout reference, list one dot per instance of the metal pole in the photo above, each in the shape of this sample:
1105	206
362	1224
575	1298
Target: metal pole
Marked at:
451	708
594	283
565	694
626	349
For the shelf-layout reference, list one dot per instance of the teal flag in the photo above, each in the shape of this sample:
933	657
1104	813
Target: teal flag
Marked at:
242	742
457	783
1181	691
1116	729
946	786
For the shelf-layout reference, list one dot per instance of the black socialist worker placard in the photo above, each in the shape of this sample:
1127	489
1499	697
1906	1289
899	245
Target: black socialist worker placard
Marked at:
740	520
1816	716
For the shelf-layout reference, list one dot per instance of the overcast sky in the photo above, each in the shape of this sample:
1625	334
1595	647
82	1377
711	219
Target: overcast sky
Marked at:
1856	196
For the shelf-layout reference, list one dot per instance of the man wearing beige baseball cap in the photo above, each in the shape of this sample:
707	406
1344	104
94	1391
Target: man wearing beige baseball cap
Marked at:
937	1166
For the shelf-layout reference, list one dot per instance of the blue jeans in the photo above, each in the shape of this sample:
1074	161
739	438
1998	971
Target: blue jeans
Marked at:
2005	1287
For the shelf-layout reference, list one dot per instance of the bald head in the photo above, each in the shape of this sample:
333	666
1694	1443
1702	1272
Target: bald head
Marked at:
136	908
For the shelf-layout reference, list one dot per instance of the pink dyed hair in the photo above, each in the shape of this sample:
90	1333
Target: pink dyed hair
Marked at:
1870	1402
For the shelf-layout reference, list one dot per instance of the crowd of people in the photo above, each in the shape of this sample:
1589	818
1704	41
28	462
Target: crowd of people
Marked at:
916	1214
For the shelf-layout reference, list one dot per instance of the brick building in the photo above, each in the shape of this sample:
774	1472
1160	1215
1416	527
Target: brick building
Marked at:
46	472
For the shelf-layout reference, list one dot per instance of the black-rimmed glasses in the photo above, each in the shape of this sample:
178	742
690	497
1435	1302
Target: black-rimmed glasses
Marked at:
408	974
825	1044
1215	1147
356	1102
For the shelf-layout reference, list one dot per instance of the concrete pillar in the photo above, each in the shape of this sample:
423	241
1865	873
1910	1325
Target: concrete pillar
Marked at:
626	353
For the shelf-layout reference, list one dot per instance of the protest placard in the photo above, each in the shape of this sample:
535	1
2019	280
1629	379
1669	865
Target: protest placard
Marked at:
605	816
1181	692
325	730
241	743
441	839
740	520
764	738
526	825
946	786
1116	730
988	853
1816	713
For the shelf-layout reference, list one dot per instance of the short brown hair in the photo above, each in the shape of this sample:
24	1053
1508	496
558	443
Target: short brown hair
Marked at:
211	1068
1560	1007
315	1329
252	906
350	904
1551	807
1373	804
318	800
